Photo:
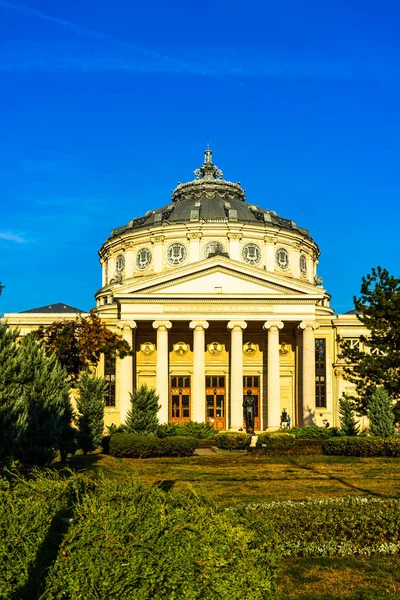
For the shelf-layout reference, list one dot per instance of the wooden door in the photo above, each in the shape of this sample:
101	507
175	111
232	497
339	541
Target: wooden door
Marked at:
179	405
216	401
252	382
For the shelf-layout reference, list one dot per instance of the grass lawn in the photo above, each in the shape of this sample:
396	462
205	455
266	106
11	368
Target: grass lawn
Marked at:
231	478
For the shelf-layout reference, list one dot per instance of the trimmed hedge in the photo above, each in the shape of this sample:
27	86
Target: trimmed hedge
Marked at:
362	446
126	445
201	431
285	443
232	440
316	432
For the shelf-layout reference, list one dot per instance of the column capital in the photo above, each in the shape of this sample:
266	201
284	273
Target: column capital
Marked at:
309	325
157	239
194	235
232	324
198	324
163	324
268	325
235	235
126	325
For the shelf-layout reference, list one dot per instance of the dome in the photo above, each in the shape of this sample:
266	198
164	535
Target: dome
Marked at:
209	199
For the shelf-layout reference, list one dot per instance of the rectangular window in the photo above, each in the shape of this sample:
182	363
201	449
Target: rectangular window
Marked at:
320	373
109	376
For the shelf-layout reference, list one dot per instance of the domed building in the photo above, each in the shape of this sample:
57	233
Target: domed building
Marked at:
219	296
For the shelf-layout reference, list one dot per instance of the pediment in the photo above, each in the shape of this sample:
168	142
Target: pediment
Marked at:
219	276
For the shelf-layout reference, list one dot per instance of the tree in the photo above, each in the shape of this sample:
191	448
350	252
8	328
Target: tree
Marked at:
1	288
142	418
90	405
79	344
380	413
377	363
348	423
45	394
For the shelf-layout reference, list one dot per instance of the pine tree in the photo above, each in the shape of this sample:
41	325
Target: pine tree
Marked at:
348	423
90	404
380	413
13	416
47	404
142	418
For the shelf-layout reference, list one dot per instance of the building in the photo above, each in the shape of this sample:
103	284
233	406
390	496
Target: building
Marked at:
218	296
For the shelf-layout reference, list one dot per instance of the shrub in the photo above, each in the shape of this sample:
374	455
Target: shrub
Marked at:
355	446
380	413
315	432
232	440
90	405
142	418
201	431
284	443
348	422
276	441
125	445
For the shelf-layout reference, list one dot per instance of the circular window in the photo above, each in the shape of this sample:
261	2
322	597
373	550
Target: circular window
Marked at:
176	254
251	254
282	258
120	263
213	248
303	264
143	258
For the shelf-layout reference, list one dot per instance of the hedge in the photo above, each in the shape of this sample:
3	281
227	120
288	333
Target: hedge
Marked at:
201	431
316	432
232	440
129	541
362	446
284	443
127	445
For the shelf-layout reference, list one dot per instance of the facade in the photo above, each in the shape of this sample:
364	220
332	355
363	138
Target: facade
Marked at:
218	296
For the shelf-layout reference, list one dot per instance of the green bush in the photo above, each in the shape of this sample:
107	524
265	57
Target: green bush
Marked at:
232	440
285	443
362	446
275	441
201	431
126	445
316	432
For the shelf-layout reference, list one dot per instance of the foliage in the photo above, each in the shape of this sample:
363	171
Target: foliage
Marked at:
1	288
90	405
380	413
335	527
232	440
79	344
143	416
377	363
362	446
201	431
45	394
315	432
347	418
283	443
276	441
127	445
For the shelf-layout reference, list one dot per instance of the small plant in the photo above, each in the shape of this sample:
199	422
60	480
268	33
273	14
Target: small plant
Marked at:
90	404
380	413
142	419
348	422
232	440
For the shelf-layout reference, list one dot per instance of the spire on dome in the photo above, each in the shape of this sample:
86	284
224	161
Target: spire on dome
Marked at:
208	171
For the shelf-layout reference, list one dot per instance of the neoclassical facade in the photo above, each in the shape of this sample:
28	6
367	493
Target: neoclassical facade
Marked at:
217	296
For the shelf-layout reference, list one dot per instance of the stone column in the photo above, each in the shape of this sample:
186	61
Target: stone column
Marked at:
125	379
234	244
269	252
194	245
158	252
236	368
199	371
273	374
162	375
308	371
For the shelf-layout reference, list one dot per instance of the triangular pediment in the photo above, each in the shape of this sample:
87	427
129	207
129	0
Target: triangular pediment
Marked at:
218	276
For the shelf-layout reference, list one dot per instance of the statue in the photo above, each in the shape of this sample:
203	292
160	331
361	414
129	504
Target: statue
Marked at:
248	411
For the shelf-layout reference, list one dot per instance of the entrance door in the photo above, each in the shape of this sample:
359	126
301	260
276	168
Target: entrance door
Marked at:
179	405
215	401
252	382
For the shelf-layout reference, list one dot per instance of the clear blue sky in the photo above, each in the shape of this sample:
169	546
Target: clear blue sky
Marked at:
105	106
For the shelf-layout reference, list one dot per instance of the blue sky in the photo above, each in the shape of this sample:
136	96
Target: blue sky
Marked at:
105	106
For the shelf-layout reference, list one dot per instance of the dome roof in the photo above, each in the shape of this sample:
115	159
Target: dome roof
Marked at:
209	199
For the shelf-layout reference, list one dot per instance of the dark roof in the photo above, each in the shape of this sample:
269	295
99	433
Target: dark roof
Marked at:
209	198
58	308
353	311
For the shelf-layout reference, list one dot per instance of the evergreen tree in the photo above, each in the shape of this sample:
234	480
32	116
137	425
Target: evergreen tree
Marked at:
90	404
13	416
348	423
377	361
380	413
47	404
142	418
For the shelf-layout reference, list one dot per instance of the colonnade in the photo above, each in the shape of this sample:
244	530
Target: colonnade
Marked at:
126	383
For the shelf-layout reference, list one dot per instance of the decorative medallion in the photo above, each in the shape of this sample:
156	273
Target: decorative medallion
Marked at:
251	254
181	348
213	248
176	254
147	348
303	264
215	348
120	263
284	348
249	349
143	258
282	258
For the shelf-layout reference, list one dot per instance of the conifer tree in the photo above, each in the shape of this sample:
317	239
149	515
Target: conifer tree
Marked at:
380	413
47	404
90	404
142	418
13	416
347	418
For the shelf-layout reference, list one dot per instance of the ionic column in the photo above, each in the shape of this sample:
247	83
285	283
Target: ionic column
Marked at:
199	371
162	375
236	387
273	374
125	379
308	371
